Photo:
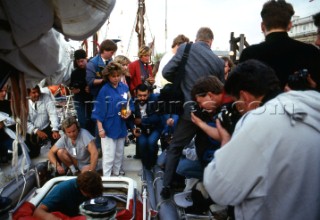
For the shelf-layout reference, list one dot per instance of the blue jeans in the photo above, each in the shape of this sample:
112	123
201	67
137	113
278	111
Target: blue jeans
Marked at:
190	168
148	148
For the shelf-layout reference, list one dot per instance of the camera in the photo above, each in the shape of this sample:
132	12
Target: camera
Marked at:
138	130
197	111
193	108
299	80
228	117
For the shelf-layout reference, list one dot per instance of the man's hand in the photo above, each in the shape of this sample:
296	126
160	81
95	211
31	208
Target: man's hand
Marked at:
224	135
55	135
60	170
75	90
170	122
42	135
151	80
196	120
136	132
1	124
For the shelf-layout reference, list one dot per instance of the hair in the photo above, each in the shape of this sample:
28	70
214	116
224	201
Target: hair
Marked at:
144	50
107	45
68	122
180	39
230	63
205	85
316	19
254	77
276	14
142	87
123	60
80	54
204	34
35	87
111	68
90	182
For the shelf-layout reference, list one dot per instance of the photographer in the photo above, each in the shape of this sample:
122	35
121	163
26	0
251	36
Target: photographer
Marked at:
209	95
148	126
268	169
212	103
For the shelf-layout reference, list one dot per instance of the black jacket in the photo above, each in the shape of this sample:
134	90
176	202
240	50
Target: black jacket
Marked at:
285	55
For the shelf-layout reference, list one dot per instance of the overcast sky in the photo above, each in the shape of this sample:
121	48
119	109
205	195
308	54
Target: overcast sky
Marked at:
187	16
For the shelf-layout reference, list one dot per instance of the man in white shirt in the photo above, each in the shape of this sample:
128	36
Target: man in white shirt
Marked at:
43	121
160	81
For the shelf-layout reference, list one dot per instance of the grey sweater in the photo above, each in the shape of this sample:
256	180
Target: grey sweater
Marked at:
202	62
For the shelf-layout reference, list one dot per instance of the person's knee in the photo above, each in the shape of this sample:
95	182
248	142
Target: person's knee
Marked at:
62	154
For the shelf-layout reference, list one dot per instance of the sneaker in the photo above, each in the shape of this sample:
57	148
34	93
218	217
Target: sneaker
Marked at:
165	192
183	199
122	173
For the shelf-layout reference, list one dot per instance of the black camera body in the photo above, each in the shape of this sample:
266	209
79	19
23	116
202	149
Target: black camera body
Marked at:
197	111
299	80
228	117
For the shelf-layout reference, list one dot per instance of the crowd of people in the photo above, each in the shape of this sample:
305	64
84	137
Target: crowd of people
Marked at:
247	134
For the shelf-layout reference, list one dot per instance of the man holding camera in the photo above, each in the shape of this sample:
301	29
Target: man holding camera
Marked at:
284	54
148	125
266	169
212	100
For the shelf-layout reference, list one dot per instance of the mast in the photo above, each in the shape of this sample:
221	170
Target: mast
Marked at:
140	22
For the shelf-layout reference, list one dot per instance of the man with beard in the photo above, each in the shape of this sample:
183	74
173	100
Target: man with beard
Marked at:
149	126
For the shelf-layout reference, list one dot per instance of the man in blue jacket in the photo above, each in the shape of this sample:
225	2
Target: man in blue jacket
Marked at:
149	126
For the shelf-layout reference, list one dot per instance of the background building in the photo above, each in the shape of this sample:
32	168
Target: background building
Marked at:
303	29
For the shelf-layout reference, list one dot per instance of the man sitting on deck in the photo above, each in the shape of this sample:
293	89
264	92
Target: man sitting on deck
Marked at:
76	149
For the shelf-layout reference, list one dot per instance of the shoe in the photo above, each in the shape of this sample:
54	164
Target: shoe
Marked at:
122	173
114	174
165	192
126	143
136	157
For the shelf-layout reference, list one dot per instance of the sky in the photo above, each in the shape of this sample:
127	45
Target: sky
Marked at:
187	16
